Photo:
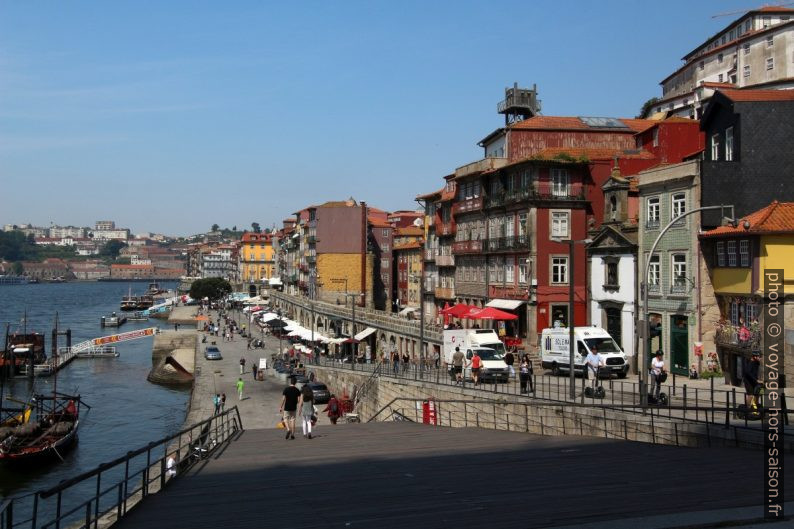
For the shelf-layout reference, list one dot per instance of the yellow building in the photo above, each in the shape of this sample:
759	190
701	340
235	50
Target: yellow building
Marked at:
736	258
256	257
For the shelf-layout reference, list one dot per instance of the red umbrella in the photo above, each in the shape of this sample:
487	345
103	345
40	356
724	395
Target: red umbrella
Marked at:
444	312
490	313
458	311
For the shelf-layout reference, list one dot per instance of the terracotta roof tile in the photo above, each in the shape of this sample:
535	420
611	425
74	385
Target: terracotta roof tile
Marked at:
777	217
575	123
432	194
758	95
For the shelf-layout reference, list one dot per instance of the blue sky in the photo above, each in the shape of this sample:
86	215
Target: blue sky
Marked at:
172	116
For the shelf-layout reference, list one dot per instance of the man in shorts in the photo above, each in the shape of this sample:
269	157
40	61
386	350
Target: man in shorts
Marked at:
457	365
476	365
289	405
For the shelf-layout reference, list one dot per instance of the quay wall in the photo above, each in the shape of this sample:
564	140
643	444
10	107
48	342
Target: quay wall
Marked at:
173	358
509	412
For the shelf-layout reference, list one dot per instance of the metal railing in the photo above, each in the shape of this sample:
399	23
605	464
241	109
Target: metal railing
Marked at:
737	336
510	243
685	402
97	497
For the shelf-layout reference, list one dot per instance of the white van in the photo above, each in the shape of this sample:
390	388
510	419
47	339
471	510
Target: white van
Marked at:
555	354
489	347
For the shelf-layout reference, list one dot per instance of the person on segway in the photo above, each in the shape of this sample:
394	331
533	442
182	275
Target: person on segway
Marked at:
751	381
657	375
593	363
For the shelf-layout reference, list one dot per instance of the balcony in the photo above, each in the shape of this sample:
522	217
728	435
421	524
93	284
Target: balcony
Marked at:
680	286
507	244
444	293
738	337
550	191
468	205
445	260
506	198
486	164
652	224
465	247
446	228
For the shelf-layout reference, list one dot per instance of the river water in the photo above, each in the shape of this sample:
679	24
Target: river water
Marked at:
127	411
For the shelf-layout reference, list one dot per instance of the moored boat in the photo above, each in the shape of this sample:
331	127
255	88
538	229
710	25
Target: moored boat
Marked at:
114	320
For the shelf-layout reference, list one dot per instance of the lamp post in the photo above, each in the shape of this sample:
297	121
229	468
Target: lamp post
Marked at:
571	375
280	331
646	324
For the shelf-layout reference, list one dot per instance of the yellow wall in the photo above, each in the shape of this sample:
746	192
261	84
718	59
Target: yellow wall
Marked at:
777	251
253	258
336	266
732	280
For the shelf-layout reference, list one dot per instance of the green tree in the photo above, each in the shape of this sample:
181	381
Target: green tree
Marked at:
112	248
215	227
16	246
234	228
646	107
213	288
255	227
17	269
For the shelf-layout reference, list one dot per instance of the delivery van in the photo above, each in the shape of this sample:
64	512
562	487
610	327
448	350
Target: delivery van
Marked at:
489	347
555	354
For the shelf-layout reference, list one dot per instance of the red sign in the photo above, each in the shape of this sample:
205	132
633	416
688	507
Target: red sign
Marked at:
124	336
429	412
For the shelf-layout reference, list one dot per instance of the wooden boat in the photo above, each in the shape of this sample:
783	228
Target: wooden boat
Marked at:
16	415
54	430
18	350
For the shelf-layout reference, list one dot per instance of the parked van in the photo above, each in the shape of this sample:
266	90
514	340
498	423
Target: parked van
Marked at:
489	347
555	353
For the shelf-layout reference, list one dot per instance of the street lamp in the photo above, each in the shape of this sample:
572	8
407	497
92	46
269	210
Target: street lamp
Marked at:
646	324
571	375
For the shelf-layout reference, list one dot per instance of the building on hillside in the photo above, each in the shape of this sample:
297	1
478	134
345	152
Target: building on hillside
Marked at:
104	225
753	51
736	258
90	270
748	135
256	258
612	262
110	235
130	271
220	261
60	232
51	268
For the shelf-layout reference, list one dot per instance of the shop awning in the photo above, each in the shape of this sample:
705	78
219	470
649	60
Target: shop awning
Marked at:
363	334
505	304
274	281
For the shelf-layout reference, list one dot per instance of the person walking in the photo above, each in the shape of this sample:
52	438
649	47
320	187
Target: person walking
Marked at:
750	379
240	385
524	373
333	408
657	369
223	402
289	404
216	400
242	365
395	359
406	362
457	365
476	364
253	368
510	360
306	408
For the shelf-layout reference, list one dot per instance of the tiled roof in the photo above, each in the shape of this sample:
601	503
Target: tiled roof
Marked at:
758	95
378	223
777	217
574	123
407	246
773	9
432	194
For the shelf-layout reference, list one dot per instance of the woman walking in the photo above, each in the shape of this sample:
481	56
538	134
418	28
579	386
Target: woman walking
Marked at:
306	410
333	408
524	372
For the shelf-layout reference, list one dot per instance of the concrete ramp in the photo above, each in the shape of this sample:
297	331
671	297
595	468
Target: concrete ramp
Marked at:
174	358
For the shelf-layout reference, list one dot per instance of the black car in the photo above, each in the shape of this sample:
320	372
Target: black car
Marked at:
320	392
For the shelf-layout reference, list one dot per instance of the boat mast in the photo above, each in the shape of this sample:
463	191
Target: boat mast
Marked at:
55	359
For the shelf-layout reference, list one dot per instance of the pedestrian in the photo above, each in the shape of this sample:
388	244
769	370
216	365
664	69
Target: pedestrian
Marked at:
248	345
437	359
509	360
593	362
750	379
333	409
253	368
406	361
289	403
523	373
242	365
306	409
240	385
216	400
476	364
223	402
395	359
457	365
657	369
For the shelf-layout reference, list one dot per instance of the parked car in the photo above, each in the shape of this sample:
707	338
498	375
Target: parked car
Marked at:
320	392
211	352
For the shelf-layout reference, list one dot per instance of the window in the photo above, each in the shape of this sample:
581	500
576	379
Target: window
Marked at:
767	20
731	253
770	63
719	58
747	49
720	254
654	273
678	279
559	270
656	137
715	147
384	263
523	271
702	65
732	35
559	224
744	253
386	233
559	182
522	224
729	144
612	274
509	271
719	78
746	70
770	41
747	25
678	205
653	212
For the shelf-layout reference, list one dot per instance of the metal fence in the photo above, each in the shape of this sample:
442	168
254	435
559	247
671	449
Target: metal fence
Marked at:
100	496
685	403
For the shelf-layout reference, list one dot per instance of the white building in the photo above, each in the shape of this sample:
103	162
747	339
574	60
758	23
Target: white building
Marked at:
59	232
754	51
108	235
612	266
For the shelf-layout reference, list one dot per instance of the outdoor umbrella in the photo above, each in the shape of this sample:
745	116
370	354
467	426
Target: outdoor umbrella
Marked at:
459	310
276	324
490	313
